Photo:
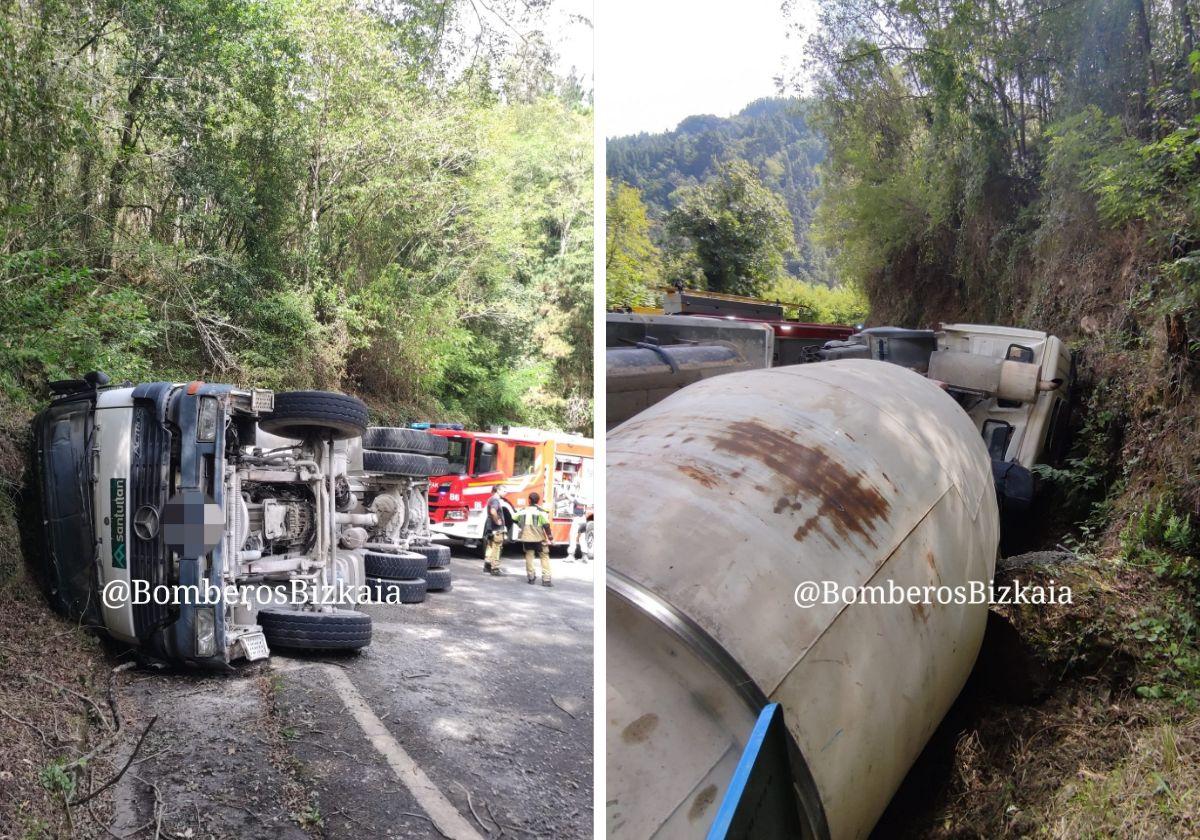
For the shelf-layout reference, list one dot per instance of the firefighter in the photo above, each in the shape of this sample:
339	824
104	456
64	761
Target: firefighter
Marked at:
533	530
493	533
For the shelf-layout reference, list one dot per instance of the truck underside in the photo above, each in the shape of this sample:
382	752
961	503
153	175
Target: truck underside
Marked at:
246	510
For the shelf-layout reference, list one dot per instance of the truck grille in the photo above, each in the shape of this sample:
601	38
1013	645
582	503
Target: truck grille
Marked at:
149	477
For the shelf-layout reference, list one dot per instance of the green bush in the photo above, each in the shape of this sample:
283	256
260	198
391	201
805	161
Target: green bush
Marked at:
818	303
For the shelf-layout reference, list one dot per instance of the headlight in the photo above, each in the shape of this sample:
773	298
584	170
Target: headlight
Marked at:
206	632
206	425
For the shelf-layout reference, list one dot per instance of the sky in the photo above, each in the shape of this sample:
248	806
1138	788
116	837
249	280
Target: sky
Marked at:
662	60
571	38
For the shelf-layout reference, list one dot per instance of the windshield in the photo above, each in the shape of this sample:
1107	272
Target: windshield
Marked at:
459	449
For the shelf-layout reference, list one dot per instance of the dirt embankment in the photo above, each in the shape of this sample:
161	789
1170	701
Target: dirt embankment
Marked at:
59	713
59	719
1102	738
1053	735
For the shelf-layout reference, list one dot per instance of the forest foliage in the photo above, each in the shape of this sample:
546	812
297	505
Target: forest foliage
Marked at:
724	204
772	135
956	131
1033	163
734	229
393	199
632	262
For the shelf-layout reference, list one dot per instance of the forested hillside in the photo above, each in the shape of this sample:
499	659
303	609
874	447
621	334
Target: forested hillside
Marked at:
772	135
1038	166
392	199
1036	163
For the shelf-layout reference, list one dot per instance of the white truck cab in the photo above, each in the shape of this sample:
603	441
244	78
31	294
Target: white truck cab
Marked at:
1015	384
235	512
1016	430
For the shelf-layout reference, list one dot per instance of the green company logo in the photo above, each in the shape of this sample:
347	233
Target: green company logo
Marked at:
117	520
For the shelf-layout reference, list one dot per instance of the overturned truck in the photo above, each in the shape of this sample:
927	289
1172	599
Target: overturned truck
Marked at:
203	523
1016	385
801	497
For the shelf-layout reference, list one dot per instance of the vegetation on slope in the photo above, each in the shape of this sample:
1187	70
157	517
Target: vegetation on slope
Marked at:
295	194
1035	163
391	199
773	136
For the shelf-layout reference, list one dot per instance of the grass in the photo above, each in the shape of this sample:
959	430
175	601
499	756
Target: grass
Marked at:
1092	756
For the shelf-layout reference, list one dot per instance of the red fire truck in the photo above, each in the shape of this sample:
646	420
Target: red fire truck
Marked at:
556	466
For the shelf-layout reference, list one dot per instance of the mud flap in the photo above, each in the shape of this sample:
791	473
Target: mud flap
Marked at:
1014	492
761	801
1014	486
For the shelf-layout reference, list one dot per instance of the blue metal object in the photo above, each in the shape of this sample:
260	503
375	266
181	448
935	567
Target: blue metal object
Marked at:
760	801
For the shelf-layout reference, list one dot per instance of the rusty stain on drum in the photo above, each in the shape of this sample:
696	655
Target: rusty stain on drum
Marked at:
700	804
703	475
784	503
848	502
640	729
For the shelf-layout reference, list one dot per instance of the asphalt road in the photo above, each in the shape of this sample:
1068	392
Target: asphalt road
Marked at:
469	715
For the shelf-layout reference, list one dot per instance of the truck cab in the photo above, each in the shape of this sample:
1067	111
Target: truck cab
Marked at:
195	495
1015	384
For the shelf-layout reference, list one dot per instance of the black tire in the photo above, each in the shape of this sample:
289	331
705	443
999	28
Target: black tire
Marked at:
406	591
302	630
437	580
404	566
390	439
302	414
436	556
404	463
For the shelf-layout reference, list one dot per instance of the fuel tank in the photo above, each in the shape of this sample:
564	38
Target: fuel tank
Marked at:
726	497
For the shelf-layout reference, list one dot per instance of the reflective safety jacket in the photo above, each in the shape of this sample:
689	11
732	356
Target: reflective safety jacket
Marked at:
531	524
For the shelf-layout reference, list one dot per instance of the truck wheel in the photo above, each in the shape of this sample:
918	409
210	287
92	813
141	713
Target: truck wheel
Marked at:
589	540
438	556
301	414
391	439
404	591
404	463
303	630
437	580
404	566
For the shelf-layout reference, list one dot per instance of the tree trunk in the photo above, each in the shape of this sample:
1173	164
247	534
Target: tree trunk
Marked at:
1143	26
120	167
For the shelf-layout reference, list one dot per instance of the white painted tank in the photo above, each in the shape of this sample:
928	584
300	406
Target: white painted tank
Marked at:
722	499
